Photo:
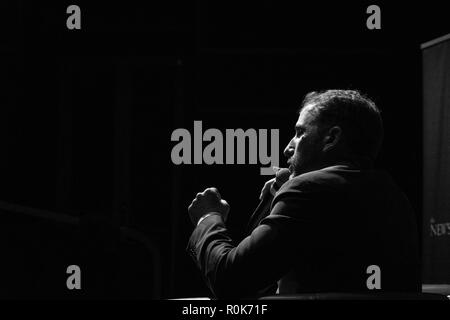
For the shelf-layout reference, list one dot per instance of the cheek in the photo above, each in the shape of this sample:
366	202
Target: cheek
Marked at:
304	146
301	142
299	146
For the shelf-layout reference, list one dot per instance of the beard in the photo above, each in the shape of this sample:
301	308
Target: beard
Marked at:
295	165
307	161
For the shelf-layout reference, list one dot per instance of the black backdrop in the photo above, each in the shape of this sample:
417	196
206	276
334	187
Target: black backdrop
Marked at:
86	115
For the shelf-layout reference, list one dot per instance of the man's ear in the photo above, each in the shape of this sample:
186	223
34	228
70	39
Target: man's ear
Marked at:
332	138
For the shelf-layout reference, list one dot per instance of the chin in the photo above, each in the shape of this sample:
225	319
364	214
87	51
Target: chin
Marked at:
294	172
299	170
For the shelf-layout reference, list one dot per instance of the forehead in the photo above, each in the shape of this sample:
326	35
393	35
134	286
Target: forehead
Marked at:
307	116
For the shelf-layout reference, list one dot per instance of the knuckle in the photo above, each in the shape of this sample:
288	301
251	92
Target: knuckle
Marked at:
211	190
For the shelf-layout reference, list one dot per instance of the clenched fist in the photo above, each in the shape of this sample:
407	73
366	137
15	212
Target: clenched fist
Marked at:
206	202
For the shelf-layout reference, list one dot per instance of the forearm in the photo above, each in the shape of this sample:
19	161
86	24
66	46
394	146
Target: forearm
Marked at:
238	271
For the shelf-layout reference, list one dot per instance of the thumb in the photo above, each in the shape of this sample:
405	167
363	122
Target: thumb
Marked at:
225	204
226	209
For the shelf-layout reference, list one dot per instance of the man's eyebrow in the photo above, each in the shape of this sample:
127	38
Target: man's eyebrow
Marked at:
299	127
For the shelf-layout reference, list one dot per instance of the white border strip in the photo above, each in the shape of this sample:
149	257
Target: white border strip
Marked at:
434	42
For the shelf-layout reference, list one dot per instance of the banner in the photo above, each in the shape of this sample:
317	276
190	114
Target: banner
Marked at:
436	161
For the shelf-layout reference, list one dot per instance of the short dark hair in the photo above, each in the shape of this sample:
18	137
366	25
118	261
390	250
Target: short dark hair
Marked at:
356	114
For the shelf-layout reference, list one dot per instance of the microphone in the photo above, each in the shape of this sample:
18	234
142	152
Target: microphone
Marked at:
281	176
263	209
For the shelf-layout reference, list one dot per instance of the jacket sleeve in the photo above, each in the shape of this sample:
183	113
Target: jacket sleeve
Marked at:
240	270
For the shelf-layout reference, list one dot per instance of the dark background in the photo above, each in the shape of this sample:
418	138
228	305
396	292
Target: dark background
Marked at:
86	115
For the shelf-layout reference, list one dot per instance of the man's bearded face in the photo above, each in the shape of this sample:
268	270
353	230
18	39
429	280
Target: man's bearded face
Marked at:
304	151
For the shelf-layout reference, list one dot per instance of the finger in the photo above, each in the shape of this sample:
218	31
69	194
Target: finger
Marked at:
266	188
263	191
214	191
262	194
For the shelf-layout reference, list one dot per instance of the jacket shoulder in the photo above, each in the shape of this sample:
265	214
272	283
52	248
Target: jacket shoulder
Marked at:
320	180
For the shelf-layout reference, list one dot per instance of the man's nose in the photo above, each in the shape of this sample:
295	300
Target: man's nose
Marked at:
289	150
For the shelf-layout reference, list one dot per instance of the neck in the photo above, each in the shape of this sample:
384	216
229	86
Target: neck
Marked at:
363	162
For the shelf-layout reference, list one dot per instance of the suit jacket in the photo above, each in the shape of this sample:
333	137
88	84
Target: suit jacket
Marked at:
325	229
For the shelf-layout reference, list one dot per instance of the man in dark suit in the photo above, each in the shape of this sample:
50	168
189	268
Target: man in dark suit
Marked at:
330	223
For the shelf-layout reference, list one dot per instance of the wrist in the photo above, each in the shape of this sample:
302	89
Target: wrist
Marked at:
274	188
203	217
